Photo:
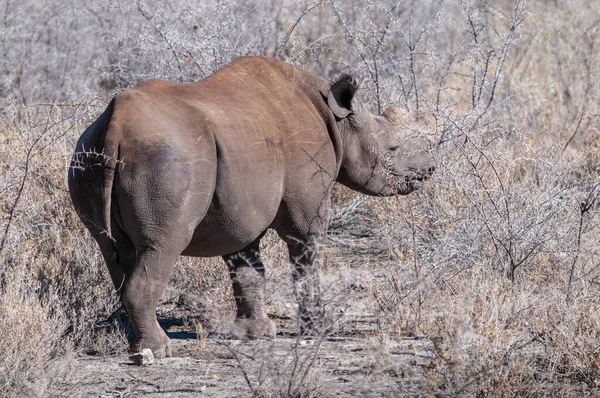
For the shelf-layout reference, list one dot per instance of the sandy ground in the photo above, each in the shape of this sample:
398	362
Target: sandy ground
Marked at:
355	359
338	366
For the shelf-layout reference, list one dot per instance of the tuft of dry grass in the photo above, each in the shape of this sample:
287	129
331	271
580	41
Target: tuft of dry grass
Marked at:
32	341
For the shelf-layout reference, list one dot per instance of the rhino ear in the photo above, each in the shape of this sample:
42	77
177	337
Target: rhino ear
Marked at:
341	93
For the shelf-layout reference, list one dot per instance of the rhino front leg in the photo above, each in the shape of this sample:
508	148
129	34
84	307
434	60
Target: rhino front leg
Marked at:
305	260
247	274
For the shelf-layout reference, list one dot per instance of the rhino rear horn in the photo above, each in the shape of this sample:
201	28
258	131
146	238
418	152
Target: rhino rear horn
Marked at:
340	96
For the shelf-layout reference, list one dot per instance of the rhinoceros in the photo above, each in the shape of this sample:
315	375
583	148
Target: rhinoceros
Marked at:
205	169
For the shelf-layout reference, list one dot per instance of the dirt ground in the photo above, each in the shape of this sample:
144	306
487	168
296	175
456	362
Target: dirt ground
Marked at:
356	359
343	366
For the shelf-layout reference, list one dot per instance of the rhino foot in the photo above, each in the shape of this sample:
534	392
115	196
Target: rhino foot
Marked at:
254	328
160	346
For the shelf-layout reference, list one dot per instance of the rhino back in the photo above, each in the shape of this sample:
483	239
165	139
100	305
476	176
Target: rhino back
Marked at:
250	136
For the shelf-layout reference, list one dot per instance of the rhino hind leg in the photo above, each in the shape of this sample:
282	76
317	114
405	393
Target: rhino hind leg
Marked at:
247	274
141	293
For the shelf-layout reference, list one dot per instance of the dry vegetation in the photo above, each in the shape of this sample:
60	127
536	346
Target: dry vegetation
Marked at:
495	263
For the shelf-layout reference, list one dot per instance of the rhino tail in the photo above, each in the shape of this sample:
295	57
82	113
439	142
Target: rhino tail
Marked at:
111	159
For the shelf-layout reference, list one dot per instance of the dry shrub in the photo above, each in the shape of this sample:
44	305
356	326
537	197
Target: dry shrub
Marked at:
495	262
275	370
31	339
496	259
51	272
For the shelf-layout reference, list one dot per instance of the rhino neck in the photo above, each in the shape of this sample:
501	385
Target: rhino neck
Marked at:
352	172
314	87
336	138
361	168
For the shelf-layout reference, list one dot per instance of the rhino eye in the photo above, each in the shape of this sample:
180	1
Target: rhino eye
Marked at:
394	148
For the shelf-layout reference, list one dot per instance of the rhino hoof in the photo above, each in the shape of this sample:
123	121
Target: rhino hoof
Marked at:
254	328
160	349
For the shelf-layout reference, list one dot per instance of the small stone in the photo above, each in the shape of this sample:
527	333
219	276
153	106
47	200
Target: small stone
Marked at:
143	358
307	343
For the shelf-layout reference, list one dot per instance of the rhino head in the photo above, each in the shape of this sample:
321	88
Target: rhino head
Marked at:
383	155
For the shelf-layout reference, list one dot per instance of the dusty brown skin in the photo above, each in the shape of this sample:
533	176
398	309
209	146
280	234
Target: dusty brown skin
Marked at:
204	169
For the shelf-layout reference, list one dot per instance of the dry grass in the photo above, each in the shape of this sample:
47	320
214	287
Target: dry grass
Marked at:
30	340
495	261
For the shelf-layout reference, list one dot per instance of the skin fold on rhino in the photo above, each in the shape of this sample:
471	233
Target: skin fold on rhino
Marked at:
204	169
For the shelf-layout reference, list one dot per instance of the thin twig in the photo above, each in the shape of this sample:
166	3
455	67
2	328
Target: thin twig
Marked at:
161	34
584	207
280	48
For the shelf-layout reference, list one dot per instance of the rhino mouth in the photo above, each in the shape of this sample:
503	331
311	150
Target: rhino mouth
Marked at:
402	178
420	175
410	180
414	174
